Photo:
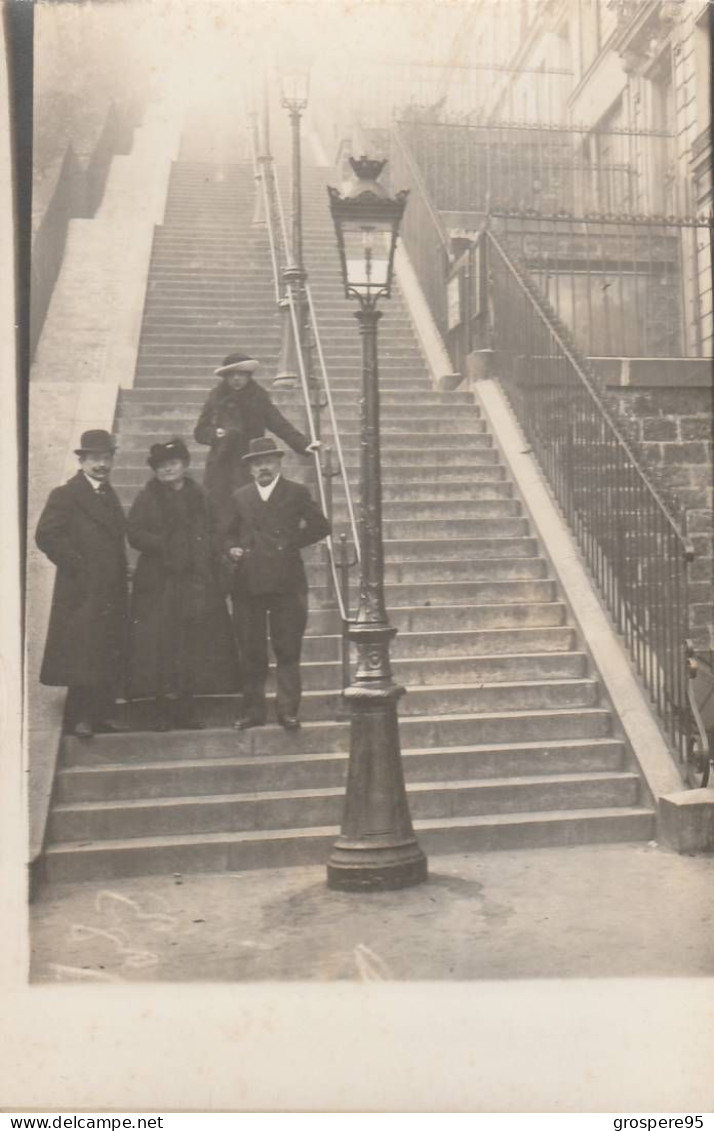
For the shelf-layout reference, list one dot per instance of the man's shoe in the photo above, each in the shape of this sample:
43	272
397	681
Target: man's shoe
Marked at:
110	726
289	722
245	722
83	729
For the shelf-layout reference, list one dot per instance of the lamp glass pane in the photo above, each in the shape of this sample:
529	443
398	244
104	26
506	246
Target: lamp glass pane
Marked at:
367	256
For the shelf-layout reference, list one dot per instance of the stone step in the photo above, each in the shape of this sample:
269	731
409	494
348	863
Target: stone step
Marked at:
197	291
204	294
425	671
441	509
435	645
424	403
485	502
416	731
236	774
135	431
195	349
134	450
307	808
186	397
428	416
458	527
416	572
425	700
232	852
429	618
460	592
189	332
394	373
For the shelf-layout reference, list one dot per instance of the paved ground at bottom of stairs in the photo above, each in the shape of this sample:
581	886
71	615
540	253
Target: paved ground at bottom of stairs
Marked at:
587	911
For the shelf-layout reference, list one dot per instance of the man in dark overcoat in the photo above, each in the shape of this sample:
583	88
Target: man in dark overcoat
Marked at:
237	411
273	519
81	530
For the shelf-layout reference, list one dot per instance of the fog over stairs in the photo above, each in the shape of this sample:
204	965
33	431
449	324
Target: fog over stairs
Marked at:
507	740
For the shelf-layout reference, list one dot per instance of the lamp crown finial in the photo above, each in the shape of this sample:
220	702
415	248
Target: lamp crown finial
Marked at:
367	168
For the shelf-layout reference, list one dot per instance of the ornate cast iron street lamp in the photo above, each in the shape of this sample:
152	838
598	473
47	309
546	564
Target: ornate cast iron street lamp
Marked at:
377	849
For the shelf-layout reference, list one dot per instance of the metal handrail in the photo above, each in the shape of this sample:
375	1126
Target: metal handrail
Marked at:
259	176
274	206
333	422
342	470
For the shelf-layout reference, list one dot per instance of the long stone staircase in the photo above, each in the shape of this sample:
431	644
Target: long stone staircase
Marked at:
507	740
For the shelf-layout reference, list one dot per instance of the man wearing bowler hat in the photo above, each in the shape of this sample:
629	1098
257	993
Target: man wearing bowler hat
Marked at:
273	519
237	411
81	530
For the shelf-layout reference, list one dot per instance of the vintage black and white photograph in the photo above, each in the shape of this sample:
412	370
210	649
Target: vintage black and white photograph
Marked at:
369	520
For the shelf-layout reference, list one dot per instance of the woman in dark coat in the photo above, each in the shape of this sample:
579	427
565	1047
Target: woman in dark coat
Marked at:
236	412
182	641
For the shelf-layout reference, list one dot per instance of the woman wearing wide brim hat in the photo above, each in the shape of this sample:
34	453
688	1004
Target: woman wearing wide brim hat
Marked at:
182	641
237	411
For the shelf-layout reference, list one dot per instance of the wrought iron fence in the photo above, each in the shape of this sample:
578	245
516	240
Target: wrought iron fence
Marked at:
636	553
625	286
575	208
492	166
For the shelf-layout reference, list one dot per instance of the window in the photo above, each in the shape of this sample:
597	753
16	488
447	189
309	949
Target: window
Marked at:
662	170
702	64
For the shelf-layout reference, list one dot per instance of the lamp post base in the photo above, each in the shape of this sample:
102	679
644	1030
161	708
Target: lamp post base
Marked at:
377	849
363	867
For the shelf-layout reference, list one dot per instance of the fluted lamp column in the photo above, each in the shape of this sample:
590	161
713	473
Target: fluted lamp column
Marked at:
294	92
377	849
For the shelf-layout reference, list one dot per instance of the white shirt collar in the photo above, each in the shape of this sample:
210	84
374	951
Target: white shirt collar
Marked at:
266	492
95	483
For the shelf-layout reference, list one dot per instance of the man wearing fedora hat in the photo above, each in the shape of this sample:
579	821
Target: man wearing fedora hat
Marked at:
273	519
237	411
81	530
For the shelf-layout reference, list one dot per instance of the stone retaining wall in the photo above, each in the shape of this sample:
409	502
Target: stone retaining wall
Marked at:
673	426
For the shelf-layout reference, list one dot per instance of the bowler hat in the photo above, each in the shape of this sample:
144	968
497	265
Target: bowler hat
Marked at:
172	449
264	446
237	363
95	441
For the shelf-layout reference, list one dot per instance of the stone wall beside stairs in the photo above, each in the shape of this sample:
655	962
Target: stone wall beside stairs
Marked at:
669	404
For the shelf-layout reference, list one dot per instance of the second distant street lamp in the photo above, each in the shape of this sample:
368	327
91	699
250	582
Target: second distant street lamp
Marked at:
294	92
377	849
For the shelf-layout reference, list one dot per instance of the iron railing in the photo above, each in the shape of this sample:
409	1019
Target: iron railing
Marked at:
489	166
269	187
578	209
635	552
625	286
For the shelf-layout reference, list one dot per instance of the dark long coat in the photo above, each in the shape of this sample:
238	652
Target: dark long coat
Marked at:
182	640
83	534
272	533
245	414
